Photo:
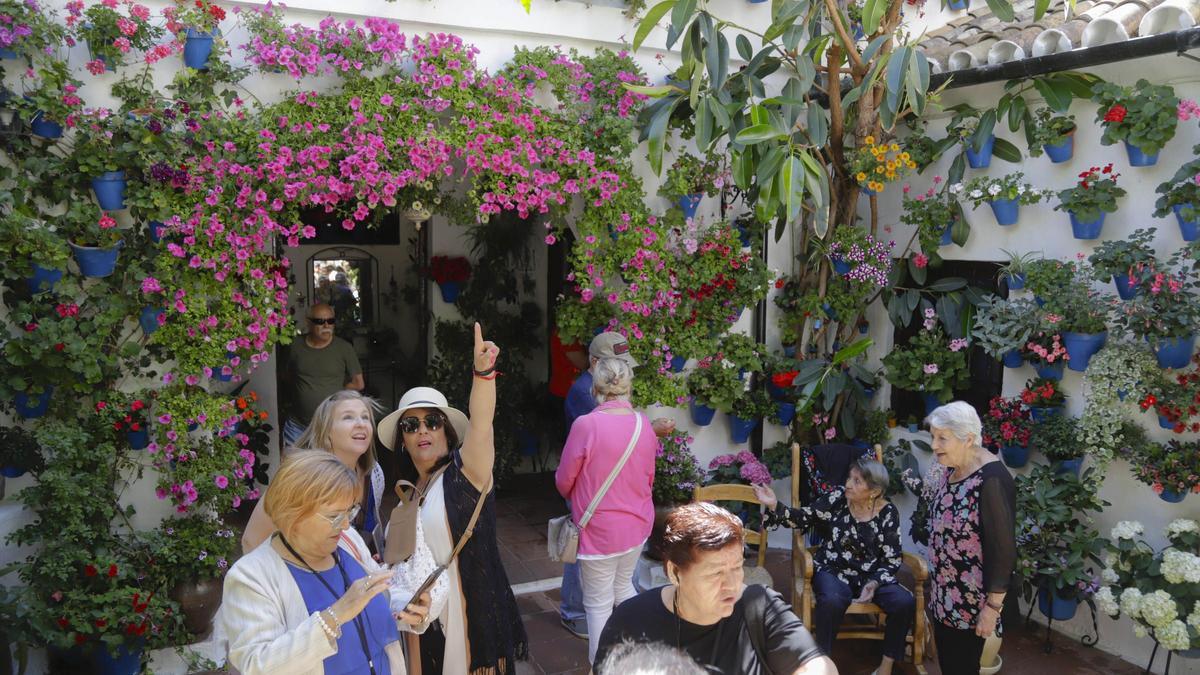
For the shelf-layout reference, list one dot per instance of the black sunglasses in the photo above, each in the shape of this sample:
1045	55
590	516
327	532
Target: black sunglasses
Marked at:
433	422
321	322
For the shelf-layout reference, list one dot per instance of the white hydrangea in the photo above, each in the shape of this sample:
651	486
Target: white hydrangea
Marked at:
1158	608
1194	618
1106	602
1110	576
1181	525
726	363
1180	567
1131	599
1173	636
1127	529
1139	631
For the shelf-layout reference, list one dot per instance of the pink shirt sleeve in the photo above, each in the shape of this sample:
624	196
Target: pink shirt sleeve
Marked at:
573	454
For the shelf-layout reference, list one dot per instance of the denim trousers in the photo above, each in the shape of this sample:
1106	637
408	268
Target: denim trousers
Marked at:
571	606
833	597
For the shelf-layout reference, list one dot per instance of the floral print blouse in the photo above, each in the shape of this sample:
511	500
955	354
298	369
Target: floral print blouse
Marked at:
857	552
972	543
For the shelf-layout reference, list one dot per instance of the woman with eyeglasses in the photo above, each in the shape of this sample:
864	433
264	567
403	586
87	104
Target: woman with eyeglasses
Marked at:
312	601
449	459
343	425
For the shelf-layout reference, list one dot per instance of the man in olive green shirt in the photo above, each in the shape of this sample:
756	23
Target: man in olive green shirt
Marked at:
317	365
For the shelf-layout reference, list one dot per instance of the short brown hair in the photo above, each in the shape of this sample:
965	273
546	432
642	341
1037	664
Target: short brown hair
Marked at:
306	481
696	527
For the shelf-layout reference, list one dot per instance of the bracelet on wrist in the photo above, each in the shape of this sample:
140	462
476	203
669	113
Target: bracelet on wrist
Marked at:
484	373
998	608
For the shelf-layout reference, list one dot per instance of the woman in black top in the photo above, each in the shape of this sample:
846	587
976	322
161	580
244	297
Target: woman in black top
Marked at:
972	538
860	559
706	611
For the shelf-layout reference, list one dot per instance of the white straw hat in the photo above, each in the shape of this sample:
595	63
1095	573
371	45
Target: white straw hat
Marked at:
421	397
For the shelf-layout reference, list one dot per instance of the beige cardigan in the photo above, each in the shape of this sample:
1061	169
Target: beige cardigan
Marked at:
269	628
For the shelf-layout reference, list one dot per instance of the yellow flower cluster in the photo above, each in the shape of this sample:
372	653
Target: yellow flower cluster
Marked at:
877	165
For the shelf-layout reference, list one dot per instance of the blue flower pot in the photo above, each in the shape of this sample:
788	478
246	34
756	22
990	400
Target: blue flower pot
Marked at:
96	262
1126	286
983	158
858	29
33	408
1063	151
128	660
1081	347
11	471
138	440
9	54
786	412
868	191
219	374
197	48
528	442
702	415
946	239
1016	282
1013	359
1040	302
1188	228
689	203
1072	466
931	402
1165	423
1005	210
110	190
1087	230
156	231
957	5
744	235
739	429
1172	496
1056	607
1015	456
841	266
1174	352
863	328
1043	413
790	351
1139	158
40	126
677	363
1050	371
829	311
914	428
450	290
1121	394
776	392
43	279
148	319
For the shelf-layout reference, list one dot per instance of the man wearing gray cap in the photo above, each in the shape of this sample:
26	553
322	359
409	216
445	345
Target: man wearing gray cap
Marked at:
579	402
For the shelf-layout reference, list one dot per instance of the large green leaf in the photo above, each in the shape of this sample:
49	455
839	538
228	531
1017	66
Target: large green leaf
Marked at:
704	127
1003	9
1016	113
818	189
743	169
1006	151
947	284
656	132
653	16
818	125
758	133
1057	96
681	15
986	128
852	350
653	91
766	169
791	186
872	14
744	49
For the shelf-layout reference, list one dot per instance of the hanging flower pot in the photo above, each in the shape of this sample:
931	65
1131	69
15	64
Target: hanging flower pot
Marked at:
1016	282
1087	229
148	319
1165	422
450	290
677	363
957	5
1043	413
1005	210
789	351
983	158
841	267
946	239
197	48
1055	606
1013	359
9	54
1175	352
110	190
1139	158
1188	228
33	407
1171	496
1050	371
138	440
94	261
689	203
1071	466
156	229
40	126
11	471
785	412
1081	346
743	234
1063	150
739	429
1015	456
931	402
43	279
128	660
702	415
1126	286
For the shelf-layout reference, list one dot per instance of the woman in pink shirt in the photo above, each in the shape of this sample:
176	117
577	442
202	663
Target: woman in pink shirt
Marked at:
610	542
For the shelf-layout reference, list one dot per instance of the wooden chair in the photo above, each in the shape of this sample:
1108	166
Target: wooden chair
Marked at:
802	591
734	492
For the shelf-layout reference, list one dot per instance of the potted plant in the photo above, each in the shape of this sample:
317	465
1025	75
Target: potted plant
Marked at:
1007	427
1121	370
1080	315
197	549
874	165
1174	398
1164	313
859	257
676	475
1051	132
1013	272
29	29
739	468
1121	260
1181	194
688	179
1092	198
51	100
1058	439
1156	589
1058	547
1144	116
1005	195
112	31
929	363
450	273
1045	276
19	453
747	409
196	24
102	151
1171	469
32	252
937	217
1045	351
1044	398
128	416
974	129
1002	328
94	239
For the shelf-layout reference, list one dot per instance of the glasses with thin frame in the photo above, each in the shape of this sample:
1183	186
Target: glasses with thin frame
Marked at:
433	422
339	521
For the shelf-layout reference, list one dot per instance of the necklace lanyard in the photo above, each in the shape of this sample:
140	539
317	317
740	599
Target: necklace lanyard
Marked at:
357	621
679	629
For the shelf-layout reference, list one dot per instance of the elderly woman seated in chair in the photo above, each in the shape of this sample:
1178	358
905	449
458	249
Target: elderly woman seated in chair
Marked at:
860	559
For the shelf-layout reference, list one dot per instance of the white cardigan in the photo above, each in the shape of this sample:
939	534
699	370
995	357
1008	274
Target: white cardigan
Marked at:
270	629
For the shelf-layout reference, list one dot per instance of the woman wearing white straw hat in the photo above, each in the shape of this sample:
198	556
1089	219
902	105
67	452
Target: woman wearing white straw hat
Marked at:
480	625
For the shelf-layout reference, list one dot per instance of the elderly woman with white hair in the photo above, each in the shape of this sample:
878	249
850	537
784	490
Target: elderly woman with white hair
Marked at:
606	472
972	538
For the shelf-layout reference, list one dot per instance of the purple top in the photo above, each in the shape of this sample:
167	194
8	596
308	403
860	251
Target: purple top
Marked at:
595	445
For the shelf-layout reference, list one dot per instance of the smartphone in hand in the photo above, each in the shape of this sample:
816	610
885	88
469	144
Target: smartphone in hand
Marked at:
426	585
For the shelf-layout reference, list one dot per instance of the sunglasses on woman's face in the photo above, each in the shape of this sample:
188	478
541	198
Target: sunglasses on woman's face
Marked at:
433	422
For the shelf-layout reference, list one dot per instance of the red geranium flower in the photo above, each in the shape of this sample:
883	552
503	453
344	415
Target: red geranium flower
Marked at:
89	570
112	570
1116	114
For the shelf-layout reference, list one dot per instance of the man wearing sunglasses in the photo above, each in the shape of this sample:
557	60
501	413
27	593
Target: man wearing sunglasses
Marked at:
317	366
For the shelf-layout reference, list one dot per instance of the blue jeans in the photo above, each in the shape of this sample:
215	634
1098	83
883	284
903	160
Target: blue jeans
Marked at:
571	607
833	597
